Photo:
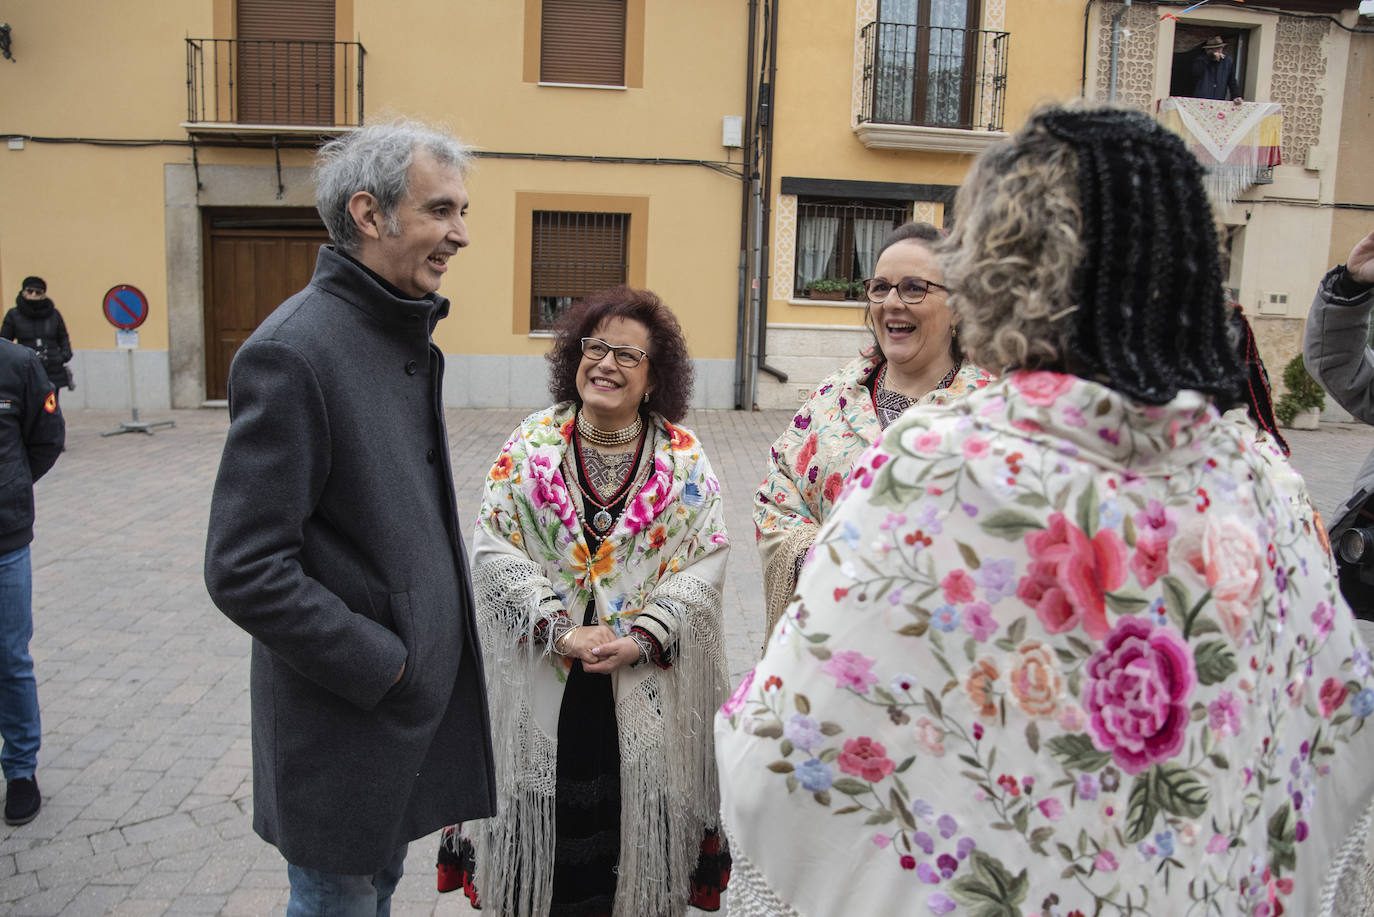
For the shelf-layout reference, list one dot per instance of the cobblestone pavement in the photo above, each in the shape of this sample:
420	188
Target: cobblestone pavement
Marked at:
143	685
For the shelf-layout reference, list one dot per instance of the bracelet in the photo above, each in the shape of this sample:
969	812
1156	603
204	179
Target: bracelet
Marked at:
560	645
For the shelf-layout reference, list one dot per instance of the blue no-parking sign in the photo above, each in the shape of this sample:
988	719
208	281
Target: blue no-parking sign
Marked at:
125	307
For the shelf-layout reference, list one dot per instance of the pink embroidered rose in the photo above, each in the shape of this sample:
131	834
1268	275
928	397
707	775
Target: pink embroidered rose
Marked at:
978	620
1136	690
1228	555
926	441
1223	715
979	685
1041	388
833	485
1051	808
546	487
958	586
1034	679
1151	558
1332	694
808	452
930	737
735	703
652	499
1069	575
975	447
865	758
851	669
1105	861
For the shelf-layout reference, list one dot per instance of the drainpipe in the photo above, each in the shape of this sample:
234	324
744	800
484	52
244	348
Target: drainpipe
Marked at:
766	192
1116	51
743	369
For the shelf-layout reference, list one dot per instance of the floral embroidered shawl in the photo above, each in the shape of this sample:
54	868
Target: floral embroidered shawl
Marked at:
1056	652
670	545
810	462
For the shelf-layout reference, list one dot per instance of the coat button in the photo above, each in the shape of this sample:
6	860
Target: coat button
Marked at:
410	367
429	456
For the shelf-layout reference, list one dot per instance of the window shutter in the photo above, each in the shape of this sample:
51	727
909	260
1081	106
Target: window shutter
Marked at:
573	254
583	41
285	61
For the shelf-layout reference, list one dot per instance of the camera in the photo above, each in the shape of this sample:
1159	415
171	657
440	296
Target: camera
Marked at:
1352	541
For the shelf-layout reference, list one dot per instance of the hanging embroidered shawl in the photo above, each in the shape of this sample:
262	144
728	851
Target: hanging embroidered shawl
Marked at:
1233	142
1056	652
811	460
669	548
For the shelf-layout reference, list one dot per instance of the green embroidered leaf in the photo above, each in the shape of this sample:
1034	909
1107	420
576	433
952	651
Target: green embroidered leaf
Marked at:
1061	499
1016	631
1086	510
1076	752
988	889
834	555
786	747
933	704
1204	626
1198	712
906	763
1065	851
817	638
847	810
1010	524
831	728
781	767
904	816
819	652
1033	500
1175	599
829	755
1032	736
971	649
769	730
802	703
1220	760
914	629
1080	646
1128	531
884	695
1214	660
1021	818
1126	603
1038	838
1065	656
849	786
822	797
792	783
970	556
1282	838
1178	791
1141	810
880	817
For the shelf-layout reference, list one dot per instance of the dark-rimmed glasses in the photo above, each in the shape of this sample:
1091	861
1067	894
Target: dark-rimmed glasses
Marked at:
910	290
596	349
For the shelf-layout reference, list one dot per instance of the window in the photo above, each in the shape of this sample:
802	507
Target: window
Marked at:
925	62
1188	39
837	243
573	254
582	41
285	61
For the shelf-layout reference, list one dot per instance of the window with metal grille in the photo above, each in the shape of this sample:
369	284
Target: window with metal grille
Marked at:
573	254
582	41
837	244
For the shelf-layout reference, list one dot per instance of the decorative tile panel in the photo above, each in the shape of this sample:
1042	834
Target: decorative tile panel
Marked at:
1299	78
865	11
1137	56
784	245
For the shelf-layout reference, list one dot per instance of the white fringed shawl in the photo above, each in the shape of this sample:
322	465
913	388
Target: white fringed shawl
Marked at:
670	543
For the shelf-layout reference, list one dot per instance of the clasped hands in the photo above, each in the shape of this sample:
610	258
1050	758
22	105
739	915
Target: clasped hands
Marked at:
600	649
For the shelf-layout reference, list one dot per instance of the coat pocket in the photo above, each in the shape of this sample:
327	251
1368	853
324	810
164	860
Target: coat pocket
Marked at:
403	622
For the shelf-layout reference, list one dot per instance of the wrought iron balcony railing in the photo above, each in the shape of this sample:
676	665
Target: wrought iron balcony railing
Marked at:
281	82
933	76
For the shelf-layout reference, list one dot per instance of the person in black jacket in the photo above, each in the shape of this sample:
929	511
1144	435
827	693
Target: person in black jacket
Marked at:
35	322
1213	76
31	435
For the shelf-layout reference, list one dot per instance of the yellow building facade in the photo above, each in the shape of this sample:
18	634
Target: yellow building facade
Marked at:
740	158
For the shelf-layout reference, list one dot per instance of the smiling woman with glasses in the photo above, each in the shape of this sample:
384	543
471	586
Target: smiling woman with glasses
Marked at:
914	358
598	566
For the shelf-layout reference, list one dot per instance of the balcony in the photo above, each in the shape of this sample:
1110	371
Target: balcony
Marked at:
279	86
932	87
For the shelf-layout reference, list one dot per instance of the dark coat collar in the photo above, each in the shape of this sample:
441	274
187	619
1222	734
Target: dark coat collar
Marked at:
357	285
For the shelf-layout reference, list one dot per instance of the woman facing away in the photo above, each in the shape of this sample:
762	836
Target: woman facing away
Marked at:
915	358
1065	645
597	565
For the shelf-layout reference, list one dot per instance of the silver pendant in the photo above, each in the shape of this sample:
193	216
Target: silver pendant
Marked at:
602	522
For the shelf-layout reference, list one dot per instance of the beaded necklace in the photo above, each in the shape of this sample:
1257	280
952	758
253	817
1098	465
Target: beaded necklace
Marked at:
599	437
603	518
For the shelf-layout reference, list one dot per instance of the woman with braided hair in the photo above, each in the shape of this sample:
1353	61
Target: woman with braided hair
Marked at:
1064	645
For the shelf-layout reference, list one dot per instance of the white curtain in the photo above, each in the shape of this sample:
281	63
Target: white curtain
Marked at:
868	235
815	246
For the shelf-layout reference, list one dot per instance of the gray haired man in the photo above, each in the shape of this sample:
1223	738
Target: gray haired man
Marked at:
334	537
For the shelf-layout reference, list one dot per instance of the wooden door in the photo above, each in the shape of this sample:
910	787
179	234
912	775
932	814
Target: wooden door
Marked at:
249	272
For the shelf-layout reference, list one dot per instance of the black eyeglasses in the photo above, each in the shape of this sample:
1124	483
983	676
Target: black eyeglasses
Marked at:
910	290
626	356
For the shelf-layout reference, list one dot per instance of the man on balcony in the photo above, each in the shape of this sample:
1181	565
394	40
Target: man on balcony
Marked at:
1213	75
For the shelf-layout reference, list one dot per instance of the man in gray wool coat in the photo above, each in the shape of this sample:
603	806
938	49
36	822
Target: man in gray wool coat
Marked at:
334	537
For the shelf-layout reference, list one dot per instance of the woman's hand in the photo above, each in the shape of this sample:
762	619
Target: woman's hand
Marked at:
610	656
584	640
1360	264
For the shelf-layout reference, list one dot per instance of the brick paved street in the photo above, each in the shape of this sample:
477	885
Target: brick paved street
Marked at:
144	685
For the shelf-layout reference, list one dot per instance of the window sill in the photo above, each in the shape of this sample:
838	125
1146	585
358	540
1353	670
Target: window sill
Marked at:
829	303
228	127
542	334
932	139
582	85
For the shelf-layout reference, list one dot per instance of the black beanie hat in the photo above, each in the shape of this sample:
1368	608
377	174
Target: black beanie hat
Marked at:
34	283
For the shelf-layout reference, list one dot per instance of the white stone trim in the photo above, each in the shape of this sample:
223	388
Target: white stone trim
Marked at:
931	139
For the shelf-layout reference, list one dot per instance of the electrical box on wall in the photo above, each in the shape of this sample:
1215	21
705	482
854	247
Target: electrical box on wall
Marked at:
732	131
1273	304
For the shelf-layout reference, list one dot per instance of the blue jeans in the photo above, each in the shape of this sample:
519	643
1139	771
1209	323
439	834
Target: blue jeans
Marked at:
19	724
327	894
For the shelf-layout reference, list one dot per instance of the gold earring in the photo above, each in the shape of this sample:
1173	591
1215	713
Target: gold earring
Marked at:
646	397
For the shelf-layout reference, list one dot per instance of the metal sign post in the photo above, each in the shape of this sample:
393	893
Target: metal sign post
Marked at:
126	308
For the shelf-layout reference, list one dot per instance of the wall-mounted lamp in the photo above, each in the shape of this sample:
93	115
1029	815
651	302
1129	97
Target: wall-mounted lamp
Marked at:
5	42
